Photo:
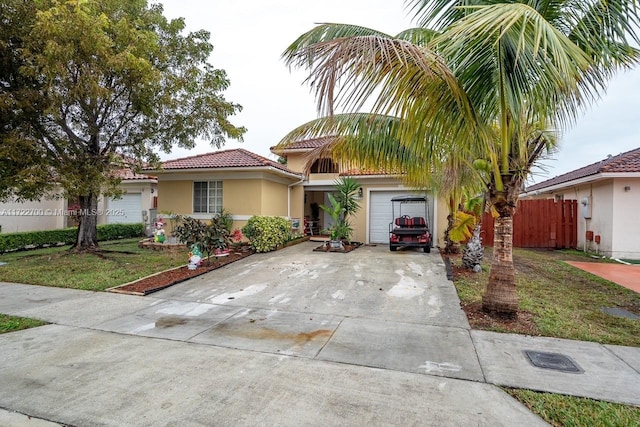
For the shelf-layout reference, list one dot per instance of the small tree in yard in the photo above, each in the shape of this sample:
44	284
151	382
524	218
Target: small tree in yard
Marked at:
89	86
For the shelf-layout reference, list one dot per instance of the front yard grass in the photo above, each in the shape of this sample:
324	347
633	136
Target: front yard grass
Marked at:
120	262
563	301
13	323
559	410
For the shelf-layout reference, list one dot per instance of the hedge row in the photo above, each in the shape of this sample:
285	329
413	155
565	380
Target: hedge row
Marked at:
67	236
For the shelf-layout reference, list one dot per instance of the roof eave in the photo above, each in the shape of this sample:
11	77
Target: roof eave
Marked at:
581	181
227	169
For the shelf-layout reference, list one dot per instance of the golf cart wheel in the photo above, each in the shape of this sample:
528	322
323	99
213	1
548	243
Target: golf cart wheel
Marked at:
427	248
393	248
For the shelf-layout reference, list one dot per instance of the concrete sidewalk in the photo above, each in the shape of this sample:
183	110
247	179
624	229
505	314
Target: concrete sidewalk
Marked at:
288	338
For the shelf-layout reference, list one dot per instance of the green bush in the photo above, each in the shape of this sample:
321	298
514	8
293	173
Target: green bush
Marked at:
266	233
67	236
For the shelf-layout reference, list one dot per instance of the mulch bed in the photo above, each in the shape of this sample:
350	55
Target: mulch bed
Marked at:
522	323
168	278
347	247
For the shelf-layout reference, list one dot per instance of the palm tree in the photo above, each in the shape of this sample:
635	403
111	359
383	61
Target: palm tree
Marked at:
484	80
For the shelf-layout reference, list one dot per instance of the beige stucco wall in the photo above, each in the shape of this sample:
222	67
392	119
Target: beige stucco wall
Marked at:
296	162
46	214
242	198
274	199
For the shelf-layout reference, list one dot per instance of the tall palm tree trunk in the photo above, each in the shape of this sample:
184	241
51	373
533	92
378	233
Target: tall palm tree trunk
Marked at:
500	295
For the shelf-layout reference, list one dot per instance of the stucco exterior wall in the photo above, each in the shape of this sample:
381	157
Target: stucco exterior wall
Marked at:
47	214
274	199
176	197
626	218
243	198
296	162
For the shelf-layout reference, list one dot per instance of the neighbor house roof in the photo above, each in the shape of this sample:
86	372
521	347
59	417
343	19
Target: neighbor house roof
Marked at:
307	144
129	175
628	162
226	159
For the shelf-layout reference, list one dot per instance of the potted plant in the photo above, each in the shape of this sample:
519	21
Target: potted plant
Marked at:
341	205
340	228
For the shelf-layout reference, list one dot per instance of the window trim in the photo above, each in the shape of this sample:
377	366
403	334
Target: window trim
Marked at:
217	208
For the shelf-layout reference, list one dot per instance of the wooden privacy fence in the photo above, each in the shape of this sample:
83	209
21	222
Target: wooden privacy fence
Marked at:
540	224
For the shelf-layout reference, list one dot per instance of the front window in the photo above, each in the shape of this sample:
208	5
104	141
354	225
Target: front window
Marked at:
207	197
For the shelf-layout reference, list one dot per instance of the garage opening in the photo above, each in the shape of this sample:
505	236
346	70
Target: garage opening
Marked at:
125	210
380	214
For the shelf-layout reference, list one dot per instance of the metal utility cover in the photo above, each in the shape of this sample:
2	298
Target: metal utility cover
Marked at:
555	361
620	312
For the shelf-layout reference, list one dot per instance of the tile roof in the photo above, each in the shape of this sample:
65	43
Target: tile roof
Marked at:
365	172
307	143
129	175
622	163
235	158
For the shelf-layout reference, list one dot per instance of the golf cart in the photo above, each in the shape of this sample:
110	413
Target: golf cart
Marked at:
409	227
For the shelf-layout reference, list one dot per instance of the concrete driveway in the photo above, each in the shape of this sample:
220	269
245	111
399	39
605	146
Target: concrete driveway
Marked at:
293	337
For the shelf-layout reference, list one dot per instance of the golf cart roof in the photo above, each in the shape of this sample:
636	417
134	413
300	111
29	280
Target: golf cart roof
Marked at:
409	198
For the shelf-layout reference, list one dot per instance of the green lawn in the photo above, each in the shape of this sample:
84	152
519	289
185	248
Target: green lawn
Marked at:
565	302
12	323
559	410
120	262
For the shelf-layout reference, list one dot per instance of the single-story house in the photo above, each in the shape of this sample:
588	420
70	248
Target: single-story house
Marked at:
608	197
247	184
135	205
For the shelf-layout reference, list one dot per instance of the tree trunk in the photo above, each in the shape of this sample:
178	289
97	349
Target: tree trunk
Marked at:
450	247
87	237
500	295
474	252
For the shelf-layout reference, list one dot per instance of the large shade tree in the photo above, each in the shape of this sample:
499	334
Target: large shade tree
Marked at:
89	86
479	84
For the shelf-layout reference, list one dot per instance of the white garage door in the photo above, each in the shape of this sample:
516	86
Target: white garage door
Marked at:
126	210
380	215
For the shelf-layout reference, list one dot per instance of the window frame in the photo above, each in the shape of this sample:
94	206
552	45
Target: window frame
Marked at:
216	202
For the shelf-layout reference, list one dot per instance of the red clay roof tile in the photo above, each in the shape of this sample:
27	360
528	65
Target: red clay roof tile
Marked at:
234	158
307	143
129	175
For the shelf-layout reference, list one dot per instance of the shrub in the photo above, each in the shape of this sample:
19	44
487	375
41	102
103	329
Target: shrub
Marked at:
211	236
67	236
266	233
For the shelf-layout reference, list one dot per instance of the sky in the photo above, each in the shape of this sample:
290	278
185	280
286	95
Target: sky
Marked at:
250	36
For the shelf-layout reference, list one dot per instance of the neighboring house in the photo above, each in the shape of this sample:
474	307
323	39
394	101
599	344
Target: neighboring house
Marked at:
608	196
247	184
134	206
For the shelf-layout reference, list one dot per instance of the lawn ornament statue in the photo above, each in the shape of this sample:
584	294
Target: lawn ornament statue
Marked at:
195	256
158	231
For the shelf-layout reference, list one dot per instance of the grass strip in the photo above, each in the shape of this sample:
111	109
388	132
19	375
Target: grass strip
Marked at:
13	323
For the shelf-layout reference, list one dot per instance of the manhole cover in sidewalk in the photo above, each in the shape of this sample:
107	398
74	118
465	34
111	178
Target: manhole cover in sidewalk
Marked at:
555	361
